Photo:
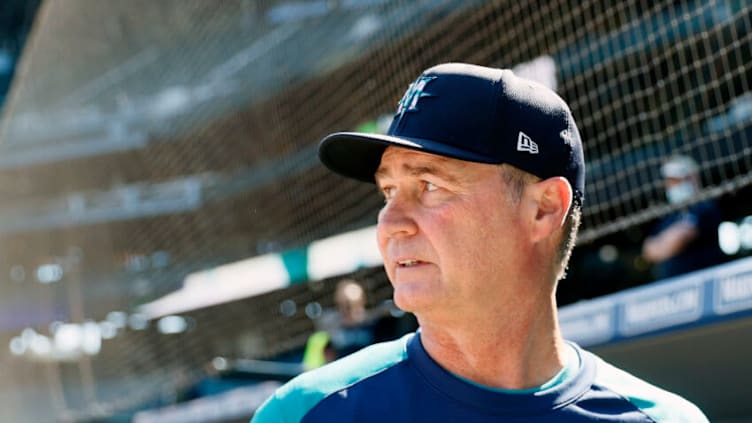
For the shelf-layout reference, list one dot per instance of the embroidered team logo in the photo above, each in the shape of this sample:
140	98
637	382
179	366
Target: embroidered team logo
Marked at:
414	93
526	144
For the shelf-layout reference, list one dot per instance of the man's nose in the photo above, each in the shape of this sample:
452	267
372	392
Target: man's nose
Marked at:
397	218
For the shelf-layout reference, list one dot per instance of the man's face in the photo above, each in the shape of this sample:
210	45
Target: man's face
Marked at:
679	190
351	303
672	182
449	232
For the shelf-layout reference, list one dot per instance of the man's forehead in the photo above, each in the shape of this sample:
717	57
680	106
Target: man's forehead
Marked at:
398	158
403	151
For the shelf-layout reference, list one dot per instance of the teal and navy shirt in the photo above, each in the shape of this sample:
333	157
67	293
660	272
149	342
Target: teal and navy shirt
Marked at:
399	382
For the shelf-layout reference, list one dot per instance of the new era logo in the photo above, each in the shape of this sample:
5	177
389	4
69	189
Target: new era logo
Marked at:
524	143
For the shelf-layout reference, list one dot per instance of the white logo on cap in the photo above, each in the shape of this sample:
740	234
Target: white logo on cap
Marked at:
524	143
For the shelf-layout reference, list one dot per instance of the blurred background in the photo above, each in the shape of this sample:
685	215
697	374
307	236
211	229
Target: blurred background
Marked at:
169	242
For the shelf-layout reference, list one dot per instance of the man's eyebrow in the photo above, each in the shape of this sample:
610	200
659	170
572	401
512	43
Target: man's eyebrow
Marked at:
380	173
421	170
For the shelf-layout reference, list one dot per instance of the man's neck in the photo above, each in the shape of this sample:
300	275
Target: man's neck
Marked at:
509	351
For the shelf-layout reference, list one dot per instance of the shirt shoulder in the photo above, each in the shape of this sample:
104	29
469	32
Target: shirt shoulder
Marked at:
291	402
658	404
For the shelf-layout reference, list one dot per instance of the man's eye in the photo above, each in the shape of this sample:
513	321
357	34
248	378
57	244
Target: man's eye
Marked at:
431	187
387	192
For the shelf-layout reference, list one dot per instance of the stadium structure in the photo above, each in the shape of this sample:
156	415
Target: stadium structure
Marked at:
169	238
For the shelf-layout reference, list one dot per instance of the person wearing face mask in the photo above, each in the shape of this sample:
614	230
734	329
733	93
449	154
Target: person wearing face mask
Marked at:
687	239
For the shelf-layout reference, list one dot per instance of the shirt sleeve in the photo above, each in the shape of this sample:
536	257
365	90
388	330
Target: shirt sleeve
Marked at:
660	405
269	412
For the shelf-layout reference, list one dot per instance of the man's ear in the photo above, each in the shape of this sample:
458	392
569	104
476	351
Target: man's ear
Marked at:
553	198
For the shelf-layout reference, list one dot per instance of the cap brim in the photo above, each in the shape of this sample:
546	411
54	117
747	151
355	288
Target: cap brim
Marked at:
358	155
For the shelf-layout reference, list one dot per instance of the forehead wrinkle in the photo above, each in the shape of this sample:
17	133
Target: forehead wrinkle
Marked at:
416	171
436	166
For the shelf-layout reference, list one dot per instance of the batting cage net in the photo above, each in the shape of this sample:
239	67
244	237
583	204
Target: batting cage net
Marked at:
164	215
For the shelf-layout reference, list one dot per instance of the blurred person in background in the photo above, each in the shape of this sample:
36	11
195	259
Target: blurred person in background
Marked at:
687	239
341	331
482	173
351	326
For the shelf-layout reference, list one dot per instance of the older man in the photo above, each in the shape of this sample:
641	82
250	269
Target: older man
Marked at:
482	174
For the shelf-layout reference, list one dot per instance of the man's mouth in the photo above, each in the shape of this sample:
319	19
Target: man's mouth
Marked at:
408	263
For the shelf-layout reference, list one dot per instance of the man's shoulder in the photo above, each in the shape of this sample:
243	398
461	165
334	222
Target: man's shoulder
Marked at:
659	404
294	399
351	369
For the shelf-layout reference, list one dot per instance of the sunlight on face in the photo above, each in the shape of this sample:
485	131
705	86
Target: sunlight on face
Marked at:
446	232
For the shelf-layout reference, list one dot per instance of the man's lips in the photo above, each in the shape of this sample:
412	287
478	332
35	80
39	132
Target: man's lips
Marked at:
404	263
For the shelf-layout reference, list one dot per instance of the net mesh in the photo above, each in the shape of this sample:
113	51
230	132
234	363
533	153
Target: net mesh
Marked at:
145	141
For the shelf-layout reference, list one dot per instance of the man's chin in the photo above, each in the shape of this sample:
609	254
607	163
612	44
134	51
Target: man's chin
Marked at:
402	304
410	298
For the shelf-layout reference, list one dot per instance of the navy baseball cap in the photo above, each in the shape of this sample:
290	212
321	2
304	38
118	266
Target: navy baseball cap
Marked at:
471	113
